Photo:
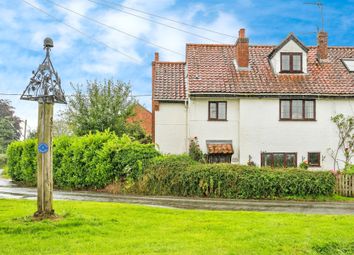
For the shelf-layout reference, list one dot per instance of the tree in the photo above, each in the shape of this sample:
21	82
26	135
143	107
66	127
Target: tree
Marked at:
345	128
10	128
194	150
101	106
61	127
136	132
32	133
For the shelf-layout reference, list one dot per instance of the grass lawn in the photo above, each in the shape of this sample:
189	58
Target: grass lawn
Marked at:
334	198
111	228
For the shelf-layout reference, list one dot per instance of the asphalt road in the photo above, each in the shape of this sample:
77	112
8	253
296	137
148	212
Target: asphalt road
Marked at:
10	190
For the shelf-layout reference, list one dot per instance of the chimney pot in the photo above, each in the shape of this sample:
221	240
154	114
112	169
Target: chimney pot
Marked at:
242	33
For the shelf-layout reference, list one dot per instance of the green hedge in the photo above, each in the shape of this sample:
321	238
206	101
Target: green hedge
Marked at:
22	161
96	160
186	178
91	161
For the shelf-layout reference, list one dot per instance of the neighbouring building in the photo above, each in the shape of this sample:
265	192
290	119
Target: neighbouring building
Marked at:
142	116
268	104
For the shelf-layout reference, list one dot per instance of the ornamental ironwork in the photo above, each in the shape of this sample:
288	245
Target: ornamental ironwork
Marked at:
45	84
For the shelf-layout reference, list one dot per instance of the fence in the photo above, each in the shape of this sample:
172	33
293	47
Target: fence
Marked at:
345	185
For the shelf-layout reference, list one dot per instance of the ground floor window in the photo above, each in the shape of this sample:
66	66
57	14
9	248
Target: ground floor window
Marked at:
279	159
314	158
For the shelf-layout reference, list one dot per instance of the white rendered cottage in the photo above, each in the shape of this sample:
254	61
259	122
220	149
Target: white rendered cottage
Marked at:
272	104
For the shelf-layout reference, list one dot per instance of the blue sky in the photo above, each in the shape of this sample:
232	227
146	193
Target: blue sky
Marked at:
77	58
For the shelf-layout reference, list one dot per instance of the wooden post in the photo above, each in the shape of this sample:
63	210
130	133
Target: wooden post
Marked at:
45	161
45	87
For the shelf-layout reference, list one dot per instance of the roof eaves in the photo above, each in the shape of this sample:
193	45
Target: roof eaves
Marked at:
205	94
171	62
169	100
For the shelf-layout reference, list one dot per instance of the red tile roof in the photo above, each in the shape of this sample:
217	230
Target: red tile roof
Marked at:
220	149
213	65
211	70
169	83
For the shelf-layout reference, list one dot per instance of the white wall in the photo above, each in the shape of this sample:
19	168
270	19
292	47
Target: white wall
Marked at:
199	126
261	130
291	46
253	126
170	128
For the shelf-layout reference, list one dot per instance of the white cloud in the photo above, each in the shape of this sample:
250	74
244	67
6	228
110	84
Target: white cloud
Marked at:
8	17
78	58
149	6
223	23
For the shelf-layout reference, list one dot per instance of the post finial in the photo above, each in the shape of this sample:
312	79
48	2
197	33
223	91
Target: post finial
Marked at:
48	43
45	84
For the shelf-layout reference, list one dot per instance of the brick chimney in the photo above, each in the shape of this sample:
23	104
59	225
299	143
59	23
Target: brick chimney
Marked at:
322	45
156	57
242	53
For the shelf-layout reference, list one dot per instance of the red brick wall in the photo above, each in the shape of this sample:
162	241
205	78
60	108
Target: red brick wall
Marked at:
144	117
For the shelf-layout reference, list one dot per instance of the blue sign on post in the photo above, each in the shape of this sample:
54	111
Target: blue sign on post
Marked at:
43	148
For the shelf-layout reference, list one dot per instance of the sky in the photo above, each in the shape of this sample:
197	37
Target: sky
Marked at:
114	39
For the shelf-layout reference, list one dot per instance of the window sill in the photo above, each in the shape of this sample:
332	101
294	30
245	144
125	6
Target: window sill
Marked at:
314	166
215	120
287	72
297	120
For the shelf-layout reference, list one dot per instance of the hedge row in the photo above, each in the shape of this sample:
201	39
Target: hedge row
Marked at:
91	161
179	176
96	160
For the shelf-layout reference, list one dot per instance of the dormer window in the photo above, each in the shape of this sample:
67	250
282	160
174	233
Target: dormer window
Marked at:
291	62
289	57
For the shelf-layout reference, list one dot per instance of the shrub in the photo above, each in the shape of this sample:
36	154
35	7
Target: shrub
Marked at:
195	152
22	161
304	165
161	173
123	158
75	159
233	181
91	161
29	161
349	169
